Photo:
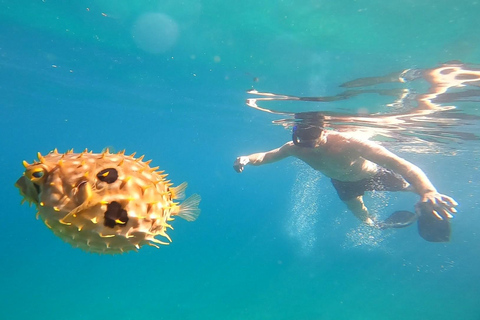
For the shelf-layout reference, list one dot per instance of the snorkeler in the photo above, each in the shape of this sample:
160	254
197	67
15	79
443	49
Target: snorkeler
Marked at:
355	166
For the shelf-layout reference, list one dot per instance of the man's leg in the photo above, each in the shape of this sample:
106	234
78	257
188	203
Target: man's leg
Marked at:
358	208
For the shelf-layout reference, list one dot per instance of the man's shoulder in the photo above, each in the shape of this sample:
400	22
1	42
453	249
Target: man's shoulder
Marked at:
340	134
291	149
338	137
288	144
346	137
349	143
287	147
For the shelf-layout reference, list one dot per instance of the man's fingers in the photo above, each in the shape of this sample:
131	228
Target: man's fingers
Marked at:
238	169
447	207
443	207
444	211
445	201
435	213
450	201
441	202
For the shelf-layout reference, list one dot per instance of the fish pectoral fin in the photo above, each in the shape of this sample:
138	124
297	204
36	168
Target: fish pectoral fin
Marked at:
189	208
88	198
178	192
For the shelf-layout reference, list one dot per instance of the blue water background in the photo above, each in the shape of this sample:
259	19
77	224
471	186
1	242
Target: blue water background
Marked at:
271	243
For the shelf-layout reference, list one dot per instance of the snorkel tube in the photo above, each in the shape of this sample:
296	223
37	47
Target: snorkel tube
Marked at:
295	139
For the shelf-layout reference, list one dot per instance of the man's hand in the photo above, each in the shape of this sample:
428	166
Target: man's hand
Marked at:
240	163
442	206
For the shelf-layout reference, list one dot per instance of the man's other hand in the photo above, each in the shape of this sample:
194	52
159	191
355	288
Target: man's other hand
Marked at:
443	207
240	163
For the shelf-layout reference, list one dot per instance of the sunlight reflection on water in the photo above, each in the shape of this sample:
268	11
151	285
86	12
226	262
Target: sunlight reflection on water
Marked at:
394	108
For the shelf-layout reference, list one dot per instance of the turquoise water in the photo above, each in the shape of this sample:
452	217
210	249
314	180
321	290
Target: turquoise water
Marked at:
271	243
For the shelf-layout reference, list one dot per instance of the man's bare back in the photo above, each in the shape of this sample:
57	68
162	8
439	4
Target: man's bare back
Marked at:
336	157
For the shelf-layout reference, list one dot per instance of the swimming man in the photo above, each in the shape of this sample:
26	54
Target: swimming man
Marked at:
355	166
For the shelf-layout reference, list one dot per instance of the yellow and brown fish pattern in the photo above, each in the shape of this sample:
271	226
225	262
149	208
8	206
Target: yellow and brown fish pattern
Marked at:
104	203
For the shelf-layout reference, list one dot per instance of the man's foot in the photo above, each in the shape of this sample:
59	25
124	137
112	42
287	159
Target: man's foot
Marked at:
398	219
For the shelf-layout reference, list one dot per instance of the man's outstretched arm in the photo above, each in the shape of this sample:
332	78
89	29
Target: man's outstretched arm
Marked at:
260	158
443	206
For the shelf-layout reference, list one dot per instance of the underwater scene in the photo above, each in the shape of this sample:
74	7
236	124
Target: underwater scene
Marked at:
201	159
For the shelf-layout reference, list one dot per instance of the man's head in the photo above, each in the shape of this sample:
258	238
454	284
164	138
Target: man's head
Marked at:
308	129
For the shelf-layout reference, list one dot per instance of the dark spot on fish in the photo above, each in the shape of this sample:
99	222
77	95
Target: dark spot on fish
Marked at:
37	188
109	175
115	215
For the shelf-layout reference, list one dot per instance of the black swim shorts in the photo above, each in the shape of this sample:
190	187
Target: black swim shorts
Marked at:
384	180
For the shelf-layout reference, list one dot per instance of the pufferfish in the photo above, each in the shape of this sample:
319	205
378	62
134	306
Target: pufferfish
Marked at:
104	203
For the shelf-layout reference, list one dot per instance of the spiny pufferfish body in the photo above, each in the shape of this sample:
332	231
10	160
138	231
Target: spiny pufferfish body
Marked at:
104	203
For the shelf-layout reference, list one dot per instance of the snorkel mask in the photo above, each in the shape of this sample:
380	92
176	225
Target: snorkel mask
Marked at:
301	140
307	129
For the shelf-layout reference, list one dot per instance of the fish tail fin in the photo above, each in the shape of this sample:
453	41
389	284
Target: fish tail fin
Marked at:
178	192
189	208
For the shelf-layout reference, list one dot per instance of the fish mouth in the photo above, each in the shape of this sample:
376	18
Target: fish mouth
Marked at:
21	185
29	193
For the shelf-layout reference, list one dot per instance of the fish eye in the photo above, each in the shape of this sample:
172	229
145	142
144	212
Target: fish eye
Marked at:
37	174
